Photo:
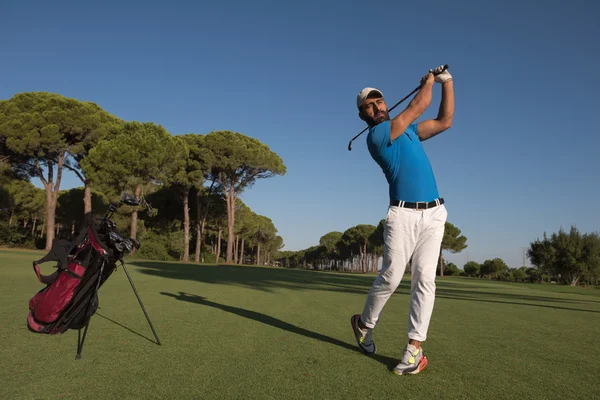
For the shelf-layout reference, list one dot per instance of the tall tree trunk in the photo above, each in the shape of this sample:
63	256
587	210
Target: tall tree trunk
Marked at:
50	216
52	189
87	201
134	216
200	232
186	225
235	249
441	264
43	230
34	225
201	235
230	221
258	254
219	244
198	242
198	229
242	252
365	258
12	215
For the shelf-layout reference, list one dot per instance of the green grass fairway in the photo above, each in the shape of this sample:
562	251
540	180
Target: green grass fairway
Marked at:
246	332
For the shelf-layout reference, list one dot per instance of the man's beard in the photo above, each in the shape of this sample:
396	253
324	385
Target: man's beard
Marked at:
379	118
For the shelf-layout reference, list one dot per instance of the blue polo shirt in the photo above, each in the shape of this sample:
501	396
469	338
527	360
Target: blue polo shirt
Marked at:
404	163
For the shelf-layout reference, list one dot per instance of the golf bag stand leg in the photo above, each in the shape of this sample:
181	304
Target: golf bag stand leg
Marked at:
88	317
140	301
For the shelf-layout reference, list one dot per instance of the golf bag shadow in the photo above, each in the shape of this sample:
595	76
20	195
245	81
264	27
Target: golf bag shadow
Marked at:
70	297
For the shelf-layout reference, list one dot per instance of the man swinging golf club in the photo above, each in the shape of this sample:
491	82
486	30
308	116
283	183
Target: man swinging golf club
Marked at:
414	224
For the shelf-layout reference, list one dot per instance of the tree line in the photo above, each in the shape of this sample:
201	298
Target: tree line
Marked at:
567	258
43	134
563	257
359	248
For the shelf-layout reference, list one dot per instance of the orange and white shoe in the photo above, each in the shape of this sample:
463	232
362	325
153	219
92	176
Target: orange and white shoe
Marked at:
413	361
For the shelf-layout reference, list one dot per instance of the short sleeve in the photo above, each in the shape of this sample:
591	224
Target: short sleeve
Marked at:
412	131
380	135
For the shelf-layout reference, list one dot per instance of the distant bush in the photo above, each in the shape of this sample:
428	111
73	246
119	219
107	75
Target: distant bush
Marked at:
450	269
18	236
209	258
154	250
8	236
161	246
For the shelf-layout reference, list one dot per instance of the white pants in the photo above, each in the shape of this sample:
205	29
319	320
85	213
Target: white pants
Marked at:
416	233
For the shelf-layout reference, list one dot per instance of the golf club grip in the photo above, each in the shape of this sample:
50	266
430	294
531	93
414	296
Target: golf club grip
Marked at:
443	69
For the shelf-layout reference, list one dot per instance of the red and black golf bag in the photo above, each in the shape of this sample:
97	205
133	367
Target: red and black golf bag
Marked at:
70	297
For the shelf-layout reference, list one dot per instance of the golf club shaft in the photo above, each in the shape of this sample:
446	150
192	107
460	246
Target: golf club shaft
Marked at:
395	105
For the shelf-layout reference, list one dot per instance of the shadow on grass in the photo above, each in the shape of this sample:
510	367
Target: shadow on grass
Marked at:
269	279
465	296
476	294
261	278
277	323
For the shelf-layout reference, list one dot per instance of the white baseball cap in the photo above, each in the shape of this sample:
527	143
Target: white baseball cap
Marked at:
362	96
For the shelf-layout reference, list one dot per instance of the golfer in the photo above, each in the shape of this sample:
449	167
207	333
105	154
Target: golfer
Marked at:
414	224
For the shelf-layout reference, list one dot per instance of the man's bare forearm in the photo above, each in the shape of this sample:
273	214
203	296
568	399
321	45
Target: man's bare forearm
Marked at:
415	108
446	110
423	99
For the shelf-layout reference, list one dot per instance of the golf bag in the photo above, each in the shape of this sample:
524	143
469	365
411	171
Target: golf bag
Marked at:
70	297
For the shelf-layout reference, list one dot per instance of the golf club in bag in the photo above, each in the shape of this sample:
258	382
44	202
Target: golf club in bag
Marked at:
70	297
395	105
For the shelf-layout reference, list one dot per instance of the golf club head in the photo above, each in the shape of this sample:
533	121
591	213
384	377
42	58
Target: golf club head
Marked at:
128	245
115	237
129	200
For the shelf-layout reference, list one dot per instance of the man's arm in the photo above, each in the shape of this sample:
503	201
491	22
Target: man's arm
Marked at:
430	128
415	108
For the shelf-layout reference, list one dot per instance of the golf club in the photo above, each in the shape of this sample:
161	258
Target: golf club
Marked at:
395	105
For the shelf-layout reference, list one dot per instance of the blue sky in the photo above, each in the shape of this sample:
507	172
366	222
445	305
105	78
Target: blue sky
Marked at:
520	159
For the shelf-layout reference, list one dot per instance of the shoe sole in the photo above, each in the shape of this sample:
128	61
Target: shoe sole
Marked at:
422	364
353	324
